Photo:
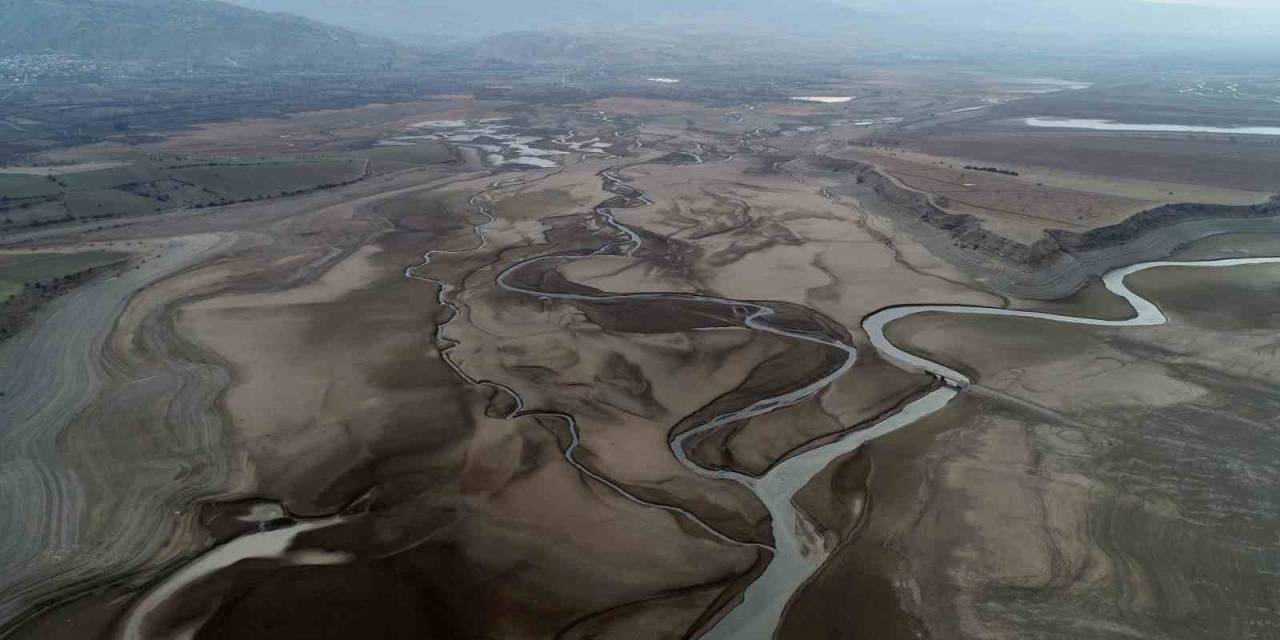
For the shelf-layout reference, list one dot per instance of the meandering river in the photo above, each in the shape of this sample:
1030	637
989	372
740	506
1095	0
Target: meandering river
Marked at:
766	599
797	551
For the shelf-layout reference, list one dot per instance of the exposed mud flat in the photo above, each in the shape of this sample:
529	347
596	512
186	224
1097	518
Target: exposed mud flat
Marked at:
72	514
1080	467
633	396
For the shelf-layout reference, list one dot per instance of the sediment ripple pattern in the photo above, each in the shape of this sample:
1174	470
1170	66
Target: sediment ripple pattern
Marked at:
51	533
796	553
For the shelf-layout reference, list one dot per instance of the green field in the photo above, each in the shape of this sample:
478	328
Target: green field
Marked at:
153	184
244	182
18	186
149	186
430	152
16	270
109	178
108	202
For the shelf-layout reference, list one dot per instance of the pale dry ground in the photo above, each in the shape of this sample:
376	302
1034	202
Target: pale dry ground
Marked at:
713	231
324	377
616	273
1092	183
316	130
773	238
324	338
649	107
626	390
797	108
1215	163
145	445
779	238
1099	483
268	391
461	520
274	451
60	169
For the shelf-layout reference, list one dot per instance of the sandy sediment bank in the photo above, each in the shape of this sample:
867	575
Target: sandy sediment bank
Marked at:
52	375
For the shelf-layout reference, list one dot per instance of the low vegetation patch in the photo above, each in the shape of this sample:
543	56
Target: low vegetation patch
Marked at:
1006	172
150	187
28	281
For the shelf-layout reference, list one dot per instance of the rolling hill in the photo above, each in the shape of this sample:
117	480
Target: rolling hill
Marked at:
196	32
456	21
966	27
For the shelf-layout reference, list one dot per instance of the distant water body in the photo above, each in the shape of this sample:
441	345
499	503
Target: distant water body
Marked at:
824	99
1108	125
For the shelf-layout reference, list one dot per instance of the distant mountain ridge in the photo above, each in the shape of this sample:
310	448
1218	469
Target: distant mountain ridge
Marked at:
977	26
198	32
1082	21
263	34
477	19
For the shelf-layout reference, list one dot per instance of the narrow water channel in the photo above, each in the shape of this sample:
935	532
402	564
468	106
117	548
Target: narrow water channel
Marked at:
797	552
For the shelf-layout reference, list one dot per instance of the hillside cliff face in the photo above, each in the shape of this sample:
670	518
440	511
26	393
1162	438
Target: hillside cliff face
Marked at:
197	32
1062	261
1147	221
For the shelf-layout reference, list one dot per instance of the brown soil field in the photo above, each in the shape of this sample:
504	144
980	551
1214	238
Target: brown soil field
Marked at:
645	106
1019	207
314	131
1200	161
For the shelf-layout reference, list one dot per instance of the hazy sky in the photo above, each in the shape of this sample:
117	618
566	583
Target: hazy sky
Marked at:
1241	4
